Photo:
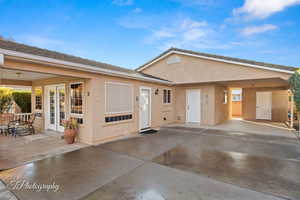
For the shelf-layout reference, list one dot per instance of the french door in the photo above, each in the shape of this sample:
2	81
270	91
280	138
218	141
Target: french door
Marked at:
55	98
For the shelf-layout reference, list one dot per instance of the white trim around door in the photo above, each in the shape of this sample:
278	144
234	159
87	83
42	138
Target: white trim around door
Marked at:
55	109
145	108
193	105
264	105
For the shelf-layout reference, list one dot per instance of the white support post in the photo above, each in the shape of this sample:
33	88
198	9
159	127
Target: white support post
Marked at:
1	59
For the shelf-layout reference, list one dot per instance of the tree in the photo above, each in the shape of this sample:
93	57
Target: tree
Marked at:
295	88
5	99
23	100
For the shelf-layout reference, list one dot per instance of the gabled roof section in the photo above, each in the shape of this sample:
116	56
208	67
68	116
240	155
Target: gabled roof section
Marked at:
26	51
243	62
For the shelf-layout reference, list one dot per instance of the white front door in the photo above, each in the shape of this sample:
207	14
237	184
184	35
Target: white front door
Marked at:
264	105
55	107
193	105
145	108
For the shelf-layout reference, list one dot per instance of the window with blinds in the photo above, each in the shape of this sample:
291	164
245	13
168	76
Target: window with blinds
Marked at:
118	98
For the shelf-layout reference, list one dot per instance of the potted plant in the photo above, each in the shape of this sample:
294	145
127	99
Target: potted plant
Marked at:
71	128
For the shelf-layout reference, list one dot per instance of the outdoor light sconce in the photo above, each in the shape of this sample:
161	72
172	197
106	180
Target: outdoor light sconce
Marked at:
156	91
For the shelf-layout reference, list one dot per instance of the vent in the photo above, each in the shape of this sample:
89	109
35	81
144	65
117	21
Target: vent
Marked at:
173	59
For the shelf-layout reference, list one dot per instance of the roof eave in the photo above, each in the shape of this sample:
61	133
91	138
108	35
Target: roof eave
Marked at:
78	66
171	51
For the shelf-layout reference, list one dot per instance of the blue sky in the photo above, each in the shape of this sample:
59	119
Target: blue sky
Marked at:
129	33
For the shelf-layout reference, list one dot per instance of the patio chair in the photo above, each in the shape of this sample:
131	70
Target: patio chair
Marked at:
22	127
4	120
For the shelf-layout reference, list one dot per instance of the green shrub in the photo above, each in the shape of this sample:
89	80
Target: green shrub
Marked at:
23	100
5	99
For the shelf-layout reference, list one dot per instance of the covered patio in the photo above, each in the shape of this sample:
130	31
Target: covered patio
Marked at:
22	150
54	98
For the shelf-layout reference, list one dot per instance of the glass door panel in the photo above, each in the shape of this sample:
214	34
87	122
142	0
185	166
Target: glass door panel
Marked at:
61	107
56	107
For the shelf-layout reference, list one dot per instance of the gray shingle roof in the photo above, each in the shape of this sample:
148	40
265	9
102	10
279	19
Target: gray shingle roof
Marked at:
18	47
252	62
14	46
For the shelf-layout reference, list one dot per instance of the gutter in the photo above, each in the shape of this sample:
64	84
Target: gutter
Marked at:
77	66
214	59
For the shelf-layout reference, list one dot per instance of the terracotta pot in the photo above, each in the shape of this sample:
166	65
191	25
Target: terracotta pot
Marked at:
69	135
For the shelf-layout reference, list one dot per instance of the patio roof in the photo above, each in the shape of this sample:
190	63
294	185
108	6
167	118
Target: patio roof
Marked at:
10	48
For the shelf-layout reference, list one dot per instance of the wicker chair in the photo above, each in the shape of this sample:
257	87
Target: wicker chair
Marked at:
21	128
4	121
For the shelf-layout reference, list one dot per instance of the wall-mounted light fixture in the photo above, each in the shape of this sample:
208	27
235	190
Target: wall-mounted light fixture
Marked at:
156	91
19	74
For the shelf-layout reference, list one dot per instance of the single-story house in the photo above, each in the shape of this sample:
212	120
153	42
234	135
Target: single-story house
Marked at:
178	86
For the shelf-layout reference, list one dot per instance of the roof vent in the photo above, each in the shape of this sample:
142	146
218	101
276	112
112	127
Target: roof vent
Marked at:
173	59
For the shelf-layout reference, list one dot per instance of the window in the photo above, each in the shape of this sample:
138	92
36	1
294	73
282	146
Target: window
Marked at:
236	95
118	98
167	96
38	98
76	98
225	97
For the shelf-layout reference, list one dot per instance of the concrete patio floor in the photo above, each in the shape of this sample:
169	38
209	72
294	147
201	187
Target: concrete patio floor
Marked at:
175	163
259	127
25	149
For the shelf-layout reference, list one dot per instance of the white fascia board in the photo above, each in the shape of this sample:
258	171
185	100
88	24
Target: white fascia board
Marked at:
216	59
82	67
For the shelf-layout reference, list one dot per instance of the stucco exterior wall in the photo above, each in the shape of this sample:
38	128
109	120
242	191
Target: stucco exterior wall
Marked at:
236	108
161	113
279	104
207	103
94	129
221	108
198	70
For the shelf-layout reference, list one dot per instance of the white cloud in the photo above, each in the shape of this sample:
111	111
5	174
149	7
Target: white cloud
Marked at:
193	34
252	30
137	10
123	2
188	23
260	9
163	34
164	31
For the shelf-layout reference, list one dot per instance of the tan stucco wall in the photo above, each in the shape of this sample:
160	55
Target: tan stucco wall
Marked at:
279	103
104	131
213	109
221	108
194	70
236	108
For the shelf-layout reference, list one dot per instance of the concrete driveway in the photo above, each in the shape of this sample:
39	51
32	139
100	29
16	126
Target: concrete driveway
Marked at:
177	163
